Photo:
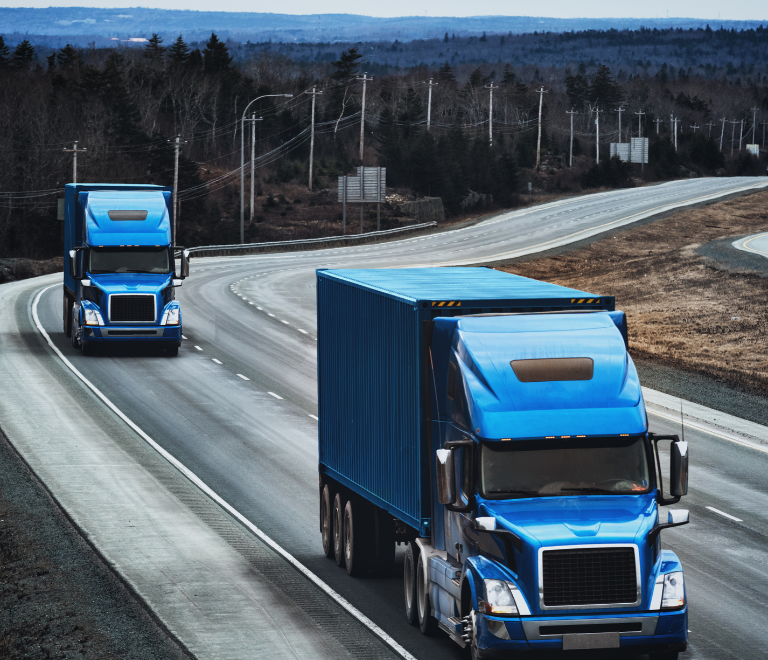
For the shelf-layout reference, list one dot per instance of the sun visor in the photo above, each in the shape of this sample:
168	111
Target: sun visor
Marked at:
127	218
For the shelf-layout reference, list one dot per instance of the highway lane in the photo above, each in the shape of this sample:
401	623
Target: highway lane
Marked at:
259	451
757	244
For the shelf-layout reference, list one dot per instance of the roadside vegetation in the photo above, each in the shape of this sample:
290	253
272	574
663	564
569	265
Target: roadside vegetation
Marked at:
125	106
685	309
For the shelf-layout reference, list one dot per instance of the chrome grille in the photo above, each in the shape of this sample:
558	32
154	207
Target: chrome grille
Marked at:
575	577
132	308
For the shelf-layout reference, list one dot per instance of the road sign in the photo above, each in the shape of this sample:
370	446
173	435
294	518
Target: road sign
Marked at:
639	150
371	180
620	150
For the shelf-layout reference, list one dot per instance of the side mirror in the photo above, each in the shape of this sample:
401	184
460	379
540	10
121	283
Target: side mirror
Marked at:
446	476
74	266
678	467
675	518
184	264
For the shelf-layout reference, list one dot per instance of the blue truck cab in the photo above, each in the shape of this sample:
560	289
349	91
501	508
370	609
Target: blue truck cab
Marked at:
496	426
120	269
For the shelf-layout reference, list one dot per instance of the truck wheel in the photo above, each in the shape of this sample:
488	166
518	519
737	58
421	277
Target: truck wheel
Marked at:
358	537
668	655
326	521
87	348
172	350
427	623
337	526
73	332
384	529
409	582
67	316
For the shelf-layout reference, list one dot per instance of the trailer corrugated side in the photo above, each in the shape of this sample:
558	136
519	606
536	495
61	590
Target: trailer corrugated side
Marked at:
372	369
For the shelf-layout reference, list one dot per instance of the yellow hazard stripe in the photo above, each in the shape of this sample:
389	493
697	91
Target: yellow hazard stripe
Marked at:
448	303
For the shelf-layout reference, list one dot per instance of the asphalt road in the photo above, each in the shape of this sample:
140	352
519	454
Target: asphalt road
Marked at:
238	408
757	244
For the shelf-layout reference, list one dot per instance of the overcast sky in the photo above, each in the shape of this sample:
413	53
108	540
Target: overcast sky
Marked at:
734	10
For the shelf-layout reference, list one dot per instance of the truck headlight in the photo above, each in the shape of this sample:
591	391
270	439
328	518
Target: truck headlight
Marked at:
171	316
92	317
673	596
499	598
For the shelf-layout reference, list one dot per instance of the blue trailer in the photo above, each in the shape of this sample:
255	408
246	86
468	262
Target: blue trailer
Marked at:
496	425
120	270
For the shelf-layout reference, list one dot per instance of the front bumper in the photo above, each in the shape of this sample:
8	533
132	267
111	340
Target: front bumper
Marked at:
666	631
108	333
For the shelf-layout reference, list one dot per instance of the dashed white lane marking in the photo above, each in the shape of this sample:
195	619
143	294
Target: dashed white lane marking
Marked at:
315	418
183	337
283	321
303	331
198	348
277	396
723	513
217	361
250	303
270	314
261	309
243	377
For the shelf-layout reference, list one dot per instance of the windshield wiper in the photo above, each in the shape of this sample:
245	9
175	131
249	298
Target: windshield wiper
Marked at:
593	490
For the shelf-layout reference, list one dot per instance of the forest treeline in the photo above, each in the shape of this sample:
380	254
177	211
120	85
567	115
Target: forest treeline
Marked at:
126	105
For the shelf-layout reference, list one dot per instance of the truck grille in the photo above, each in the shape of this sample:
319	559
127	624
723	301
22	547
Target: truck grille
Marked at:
132	309
589	576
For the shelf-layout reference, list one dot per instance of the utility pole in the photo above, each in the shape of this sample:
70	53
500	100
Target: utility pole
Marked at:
733	134
490	113
242	161
640	123
710	124
174	202
365	79
754	124
658	121
741	134
620	109
573	112
429	106
541	93
694	127
722	132
74	151
764	123
253	121
676	122
597	134
312	139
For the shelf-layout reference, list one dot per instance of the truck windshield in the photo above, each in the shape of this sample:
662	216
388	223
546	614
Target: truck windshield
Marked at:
541	468
145	260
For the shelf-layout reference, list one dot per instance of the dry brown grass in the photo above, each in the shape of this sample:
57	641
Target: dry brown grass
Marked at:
682	311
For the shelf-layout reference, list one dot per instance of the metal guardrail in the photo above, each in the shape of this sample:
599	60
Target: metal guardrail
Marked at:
306	243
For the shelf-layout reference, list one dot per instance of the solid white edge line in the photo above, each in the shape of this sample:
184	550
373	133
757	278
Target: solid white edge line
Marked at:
723	513
183	337
327	589
277	396
315	417
243	377
708	431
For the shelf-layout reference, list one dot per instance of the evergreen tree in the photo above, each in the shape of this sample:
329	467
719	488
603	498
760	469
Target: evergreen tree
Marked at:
125	125
508	78
484	38
154	49
445	38
51	59
23	56
68	57
5	58
347	66
445	75
195	59
178	53
577	89
216	57
604	90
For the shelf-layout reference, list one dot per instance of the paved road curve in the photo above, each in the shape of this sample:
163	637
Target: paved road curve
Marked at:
757	244
238	408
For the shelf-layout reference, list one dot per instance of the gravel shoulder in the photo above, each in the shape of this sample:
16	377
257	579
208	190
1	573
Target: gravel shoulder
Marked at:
698	314
58	599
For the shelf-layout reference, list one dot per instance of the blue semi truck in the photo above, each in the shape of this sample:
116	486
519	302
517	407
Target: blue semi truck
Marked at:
496	426
120	270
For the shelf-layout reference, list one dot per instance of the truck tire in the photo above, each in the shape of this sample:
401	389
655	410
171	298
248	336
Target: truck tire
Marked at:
87	348
67	316
172	350
337	525
667	655
358	537
427	623
409	582
73	333
384	534
326	521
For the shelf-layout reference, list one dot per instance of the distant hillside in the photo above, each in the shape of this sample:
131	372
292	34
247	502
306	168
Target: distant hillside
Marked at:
81	25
